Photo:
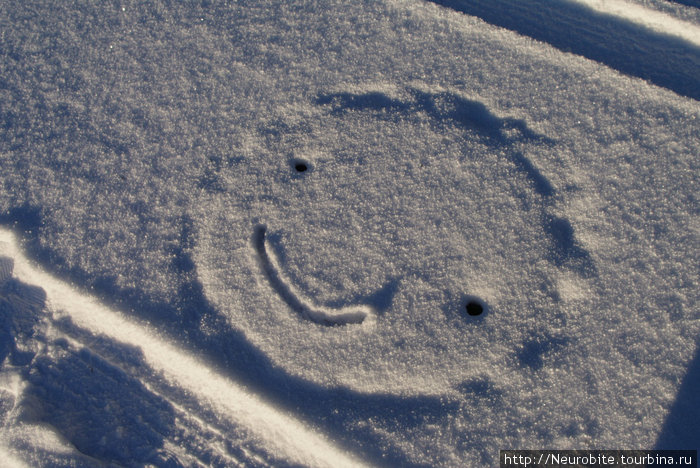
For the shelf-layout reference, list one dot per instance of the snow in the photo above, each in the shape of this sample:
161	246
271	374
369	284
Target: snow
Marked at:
308	310
656	20
176	291
235	409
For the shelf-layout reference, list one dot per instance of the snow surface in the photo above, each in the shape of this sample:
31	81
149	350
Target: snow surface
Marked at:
185	296
70	318
656	20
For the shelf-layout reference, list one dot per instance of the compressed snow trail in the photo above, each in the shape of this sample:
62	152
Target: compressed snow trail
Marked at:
278	432
655	20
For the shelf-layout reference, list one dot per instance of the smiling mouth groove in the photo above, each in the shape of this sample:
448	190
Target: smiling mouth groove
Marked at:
321	315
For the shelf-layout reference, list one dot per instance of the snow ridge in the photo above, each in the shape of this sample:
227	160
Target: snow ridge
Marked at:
646	44
652	19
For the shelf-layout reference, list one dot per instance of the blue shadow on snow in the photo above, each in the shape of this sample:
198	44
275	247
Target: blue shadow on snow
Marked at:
681	430
635	50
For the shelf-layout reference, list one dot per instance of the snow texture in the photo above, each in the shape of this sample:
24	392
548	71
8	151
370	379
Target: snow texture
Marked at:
121	394
309	311
247	232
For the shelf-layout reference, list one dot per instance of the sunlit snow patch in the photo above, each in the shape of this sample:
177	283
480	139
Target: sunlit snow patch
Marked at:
653	19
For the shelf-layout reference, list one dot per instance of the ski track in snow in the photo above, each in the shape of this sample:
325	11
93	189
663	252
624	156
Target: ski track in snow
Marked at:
81	321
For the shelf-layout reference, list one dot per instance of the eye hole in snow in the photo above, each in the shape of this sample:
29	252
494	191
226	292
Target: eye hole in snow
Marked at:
301	166
475	306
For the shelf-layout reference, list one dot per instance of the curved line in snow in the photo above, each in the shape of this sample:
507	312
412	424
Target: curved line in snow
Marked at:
321	315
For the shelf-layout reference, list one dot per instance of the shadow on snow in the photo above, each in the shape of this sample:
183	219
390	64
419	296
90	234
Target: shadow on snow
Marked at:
632	49
334	410
681	430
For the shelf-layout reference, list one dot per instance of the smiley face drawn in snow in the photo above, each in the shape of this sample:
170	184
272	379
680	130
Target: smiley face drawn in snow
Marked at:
357	241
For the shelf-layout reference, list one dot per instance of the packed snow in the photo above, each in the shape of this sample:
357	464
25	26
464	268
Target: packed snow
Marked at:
385	233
